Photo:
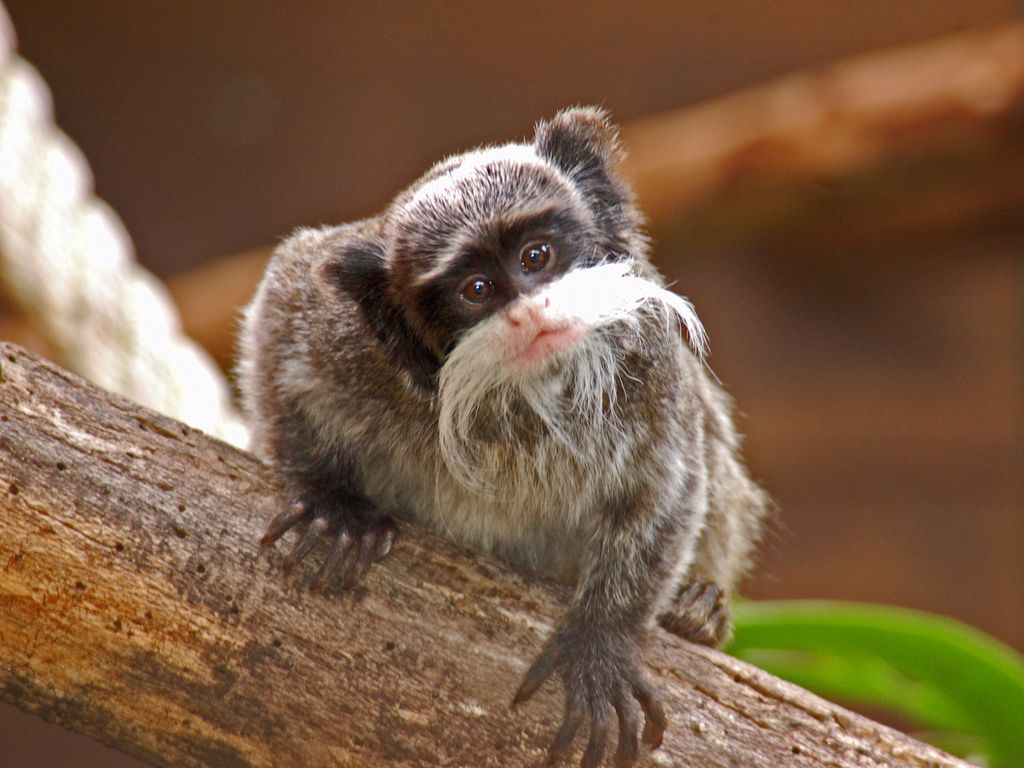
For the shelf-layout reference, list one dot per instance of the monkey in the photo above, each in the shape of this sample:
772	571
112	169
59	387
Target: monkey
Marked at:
496	358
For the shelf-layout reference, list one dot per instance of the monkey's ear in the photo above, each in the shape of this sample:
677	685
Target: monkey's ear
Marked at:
358	268
579	140
584	143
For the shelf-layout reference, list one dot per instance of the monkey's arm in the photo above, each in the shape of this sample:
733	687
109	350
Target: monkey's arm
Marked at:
597	649
300	330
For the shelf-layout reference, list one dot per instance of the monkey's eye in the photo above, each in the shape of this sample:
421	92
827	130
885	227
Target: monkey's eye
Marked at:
536	256
477	290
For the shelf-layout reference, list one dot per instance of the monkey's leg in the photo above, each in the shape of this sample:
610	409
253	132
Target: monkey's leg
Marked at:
360	534
598	648
700	614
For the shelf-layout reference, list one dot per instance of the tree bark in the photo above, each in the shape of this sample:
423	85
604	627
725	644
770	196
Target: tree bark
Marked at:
137	607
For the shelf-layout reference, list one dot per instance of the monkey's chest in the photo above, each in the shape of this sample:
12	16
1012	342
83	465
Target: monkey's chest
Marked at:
538	521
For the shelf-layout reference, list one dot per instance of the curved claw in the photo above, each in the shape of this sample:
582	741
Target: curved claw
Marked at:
287	519
334	561
628	749
566	733
535	676
385	531
655	721
353	552
601	680
360	563
598	738
310	536
360	536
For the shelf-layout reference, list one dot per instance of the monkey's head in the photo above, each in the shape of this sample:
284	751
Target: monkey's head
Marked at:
511	268
480	236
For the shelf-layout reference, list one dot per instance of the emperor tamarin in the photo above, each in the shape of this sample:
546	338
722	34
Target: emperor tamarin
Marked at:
495	357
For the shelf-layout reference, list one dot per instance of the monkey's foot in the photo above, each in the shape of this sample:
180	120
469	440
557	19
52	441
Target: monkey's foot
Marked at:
602	681
700	614
357	541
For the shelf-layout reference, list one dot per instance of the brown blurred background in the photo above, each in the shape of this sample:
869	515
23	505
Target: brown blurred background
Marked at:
870	322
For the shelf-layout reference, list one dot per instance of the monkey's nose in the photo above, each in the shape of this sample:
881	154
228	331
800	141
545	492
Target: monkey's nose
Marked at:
527	313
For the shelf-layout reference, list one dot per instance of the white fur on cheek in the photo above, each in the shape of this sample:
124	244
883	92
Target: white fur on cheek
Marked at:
499	422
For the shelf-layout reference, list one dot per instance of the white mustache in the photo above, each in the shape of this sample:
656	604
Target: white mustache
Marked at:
572	394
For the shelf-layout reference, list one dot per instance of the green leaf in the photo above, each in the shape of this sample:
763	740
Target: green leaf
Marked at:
945	675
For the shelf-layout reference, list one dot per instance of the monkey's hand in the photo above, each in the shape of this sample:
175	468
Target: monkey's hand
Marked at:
359	536
602	679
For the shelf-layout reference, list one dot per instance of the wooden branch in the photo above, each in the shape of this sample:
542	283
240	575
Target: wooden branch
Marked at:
895	148
137	608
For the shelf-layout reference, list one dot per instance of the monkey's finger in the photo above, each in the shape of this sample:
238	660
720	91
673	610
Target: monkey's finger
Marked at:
332	564
566	733
284	522
385	532
535	676
599	728
360	562
655	721
309	538
628	749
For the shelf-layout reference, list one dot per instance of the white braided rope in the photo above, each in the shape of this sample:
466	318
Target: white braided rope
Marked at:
68	262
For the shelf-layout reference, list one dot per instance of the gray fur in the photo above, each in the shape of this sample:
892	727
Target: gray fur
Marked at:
630	501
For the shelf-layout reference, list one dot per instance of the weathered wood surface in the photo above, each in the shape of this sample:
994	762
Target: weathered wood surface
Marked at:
135	606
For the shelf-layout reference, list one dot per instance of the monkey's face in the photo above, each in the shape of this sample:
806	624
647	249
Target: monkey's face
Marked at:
476	244
521	271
